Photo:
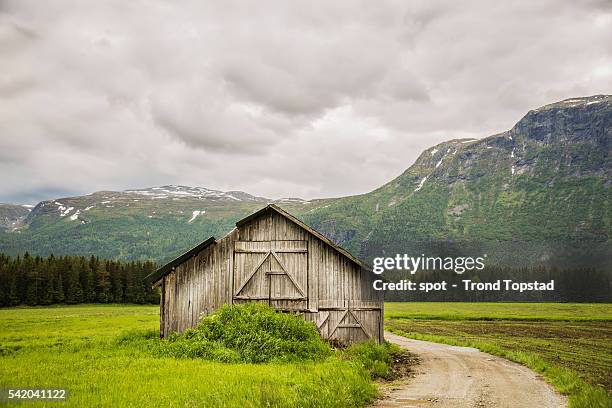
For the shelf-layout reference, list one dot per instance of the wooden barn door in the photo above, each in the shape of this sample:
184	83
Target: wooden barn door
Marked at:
275	272
349	325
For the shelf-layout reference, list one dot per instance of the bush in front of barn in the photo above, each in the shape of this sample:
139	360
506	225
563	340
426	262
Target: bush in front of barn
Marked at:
249	333
377	359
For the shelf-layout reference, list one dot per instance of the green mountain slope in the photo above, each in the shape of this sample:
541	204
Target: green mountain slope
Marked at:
156	223
538	193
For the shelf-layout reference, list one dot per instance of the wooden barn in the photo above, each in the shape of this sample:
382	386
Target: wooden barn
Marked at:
273	257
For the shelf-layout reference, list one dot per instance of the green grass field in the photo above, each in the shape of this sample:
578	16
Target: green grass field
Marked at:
83	348
575	312
570	344
95	352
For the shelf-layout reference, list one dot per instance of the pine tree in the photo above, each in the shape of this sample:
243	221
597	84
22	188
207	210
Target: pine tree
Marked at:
103	284
116	282
30	296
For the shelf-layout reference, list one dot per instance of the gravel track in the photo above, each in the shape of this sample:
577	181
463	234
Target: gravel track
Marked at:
450	376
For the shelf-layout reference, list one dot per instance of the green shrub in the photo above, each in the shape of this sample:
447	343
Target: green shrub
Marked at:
249	333
376	358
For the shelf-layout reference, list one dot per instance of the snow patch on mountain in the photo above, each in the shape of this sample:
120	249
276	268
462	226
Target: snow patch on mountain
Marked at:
64	210
292	200
195	215
175	191
421	184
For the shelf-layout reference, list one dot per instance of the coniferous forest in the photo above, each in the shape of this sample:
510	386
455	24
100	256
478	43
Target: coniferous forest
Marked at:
33	280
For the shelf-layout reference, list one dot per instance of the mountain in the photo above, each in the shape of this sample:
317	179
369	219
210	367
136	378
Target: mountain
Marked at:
537	193
12	216
152	223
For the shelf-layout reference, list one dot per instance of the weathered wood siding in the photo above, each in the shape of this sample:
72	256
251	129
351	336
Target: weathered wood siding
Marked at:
271	259
198	286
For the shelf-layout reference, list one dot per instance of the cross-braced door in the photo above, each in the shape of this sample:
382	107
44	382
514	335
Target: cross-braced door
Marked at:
272	271
350	325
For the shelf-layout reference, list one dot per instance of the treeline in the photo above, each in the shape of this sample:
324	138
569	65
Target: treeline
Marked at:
29	280
571	285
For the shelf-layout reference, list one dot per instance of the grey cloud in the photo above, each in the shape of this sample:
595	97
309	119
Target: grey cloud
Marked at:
303	99
206	117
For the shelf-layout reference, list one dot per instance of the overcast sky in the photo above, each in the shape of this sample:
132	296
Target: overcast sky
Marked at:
276	99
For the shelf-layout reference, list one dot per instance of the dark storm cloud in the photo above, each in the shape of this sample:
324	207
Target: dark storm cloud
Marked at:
278	98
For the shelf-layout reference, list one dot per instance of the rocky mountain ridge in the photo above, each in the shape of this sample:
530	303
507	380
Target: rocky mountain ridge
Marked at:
533	189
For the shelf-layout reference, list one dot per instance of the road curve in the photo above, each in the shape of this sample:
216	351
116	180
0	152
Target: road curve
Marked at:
457	377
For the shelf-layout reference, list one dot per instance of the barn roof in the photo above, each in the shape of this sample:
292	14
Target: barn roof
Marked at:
170	266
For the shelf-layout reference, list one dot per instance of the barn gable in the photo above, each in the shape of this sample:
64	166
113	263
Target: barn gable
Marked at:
298	222
275	258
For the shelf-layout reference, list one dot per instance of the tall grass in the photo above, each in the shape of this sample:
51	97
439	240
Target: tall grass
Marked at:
249	333
377	359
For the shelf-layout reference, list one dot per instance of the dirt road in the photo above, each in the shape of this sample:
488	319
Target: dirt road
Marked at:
458	377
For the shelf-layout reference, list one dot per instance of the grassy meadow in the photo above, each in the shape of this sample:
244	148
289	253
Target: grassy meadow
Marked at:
569	344
106	355
101	353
